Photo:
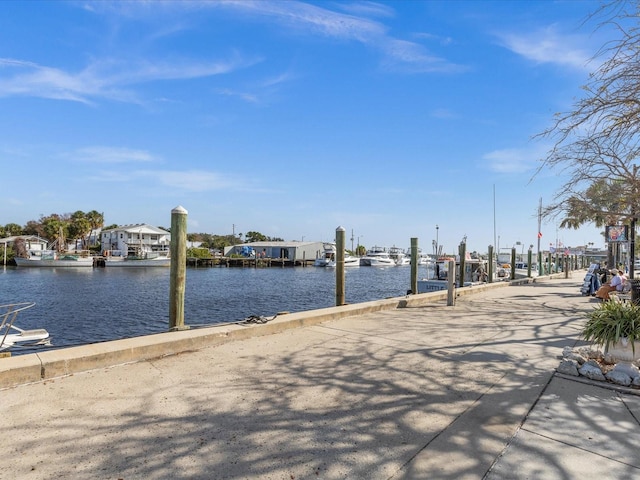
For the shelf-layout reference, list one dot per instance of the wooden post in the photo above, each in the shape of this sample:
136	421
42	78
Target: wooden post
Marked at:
529	258
414	265
451	283
462	251
340	246
178	271
490	266
513	264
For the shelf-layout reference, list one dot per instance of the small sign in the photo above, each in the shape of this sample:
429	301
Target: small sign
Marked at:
617	233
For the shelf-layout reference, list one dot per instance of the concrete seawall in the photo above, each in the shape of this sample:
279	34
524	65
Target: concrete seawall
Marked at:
49	364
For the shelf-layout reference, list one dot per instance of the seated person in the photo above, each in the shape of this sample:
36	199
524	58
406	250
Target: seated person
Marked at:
616	283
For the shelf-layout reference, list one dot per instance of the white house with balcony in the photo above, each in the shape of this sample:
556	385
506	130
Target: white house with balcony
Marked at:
134	239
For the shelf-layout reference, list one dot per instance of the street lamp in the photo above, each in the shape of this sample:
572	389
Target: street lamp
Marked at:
437	228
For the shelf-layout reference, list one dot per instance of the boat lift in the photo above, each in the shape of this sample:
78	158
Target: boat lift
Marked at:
10	335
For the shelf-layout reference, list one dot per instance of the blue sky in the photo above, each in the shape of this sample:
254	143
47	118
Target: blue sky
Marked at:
293	118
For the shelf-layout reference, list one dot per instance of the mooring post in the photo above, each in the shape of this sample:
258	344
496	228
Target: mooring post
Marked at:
462	253
178	273
513	264
340	246
490	266
451	282
414	265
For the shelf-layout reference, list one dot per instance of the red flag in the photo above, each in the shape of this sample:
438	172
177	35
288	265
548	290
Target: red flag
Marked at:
539	234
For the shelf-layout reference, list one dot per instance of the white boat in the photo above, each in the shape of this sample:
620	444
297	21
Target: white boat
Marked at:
349	261
327	256
377	257
474	273
51	258
137	258
425	259
13	336
399	256
522	270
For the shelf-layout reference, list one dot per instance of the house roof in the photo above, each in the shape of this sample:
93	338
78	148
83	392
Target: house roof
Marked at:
31	238
138	228
277	244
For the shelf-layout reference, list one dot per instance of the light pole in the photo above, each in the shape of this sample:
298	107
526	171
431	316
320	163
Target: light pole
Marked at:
437	252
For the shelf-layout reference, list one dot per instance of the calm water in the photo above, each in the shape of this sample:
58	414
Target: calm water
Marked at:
80	306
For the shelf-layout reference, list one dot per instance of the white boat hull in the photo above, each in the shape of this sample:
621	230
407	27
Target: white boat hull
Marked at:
348	262
125	262
40	263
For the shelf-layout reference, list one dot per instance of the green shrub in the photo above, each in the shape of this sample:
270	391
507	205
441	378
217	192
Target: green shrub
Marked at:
611	321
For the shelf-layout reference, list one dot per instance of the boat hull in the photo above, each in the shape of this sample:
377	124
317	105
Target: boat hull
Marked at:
39	263
133	263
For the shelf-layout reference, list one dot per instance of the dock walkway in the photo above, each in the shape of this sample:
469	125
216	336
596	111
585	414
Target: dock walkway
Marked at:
421	392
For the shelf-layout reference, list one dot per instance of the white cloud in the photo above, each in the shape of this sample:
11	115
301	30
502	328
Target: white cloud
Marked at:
112	155
176	180
549	46
103	79
309	19
511	160
191	180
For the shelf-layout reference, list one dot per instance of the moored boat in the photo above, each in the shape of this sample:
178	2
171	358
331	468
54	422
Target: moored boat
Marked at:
474	273
11	335
51	258
399	256
150	258
327	257
377	257
349	261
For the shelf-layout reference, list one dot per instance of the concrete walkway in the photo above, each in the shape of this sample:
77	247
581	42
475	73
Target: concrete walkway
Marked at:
422	392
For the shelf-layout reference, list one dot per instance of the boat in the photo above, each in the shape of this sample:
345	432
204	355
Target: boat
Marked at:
328	255
51	258
425	259
474	273
399	256
13	336
349	261
377	257
138	257
522	270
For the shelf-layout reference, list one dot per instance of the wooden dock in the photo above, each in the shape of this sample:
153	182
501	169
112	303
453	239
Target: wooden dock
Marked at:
247	262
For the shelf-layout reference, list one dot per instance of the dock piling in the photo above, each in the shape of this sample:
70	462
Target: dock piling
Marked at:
340	278
178	273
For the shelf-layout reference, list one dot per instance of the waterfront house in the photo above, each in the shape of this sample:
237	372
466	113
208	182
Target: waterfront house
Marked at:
294	251
31	242
131	239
